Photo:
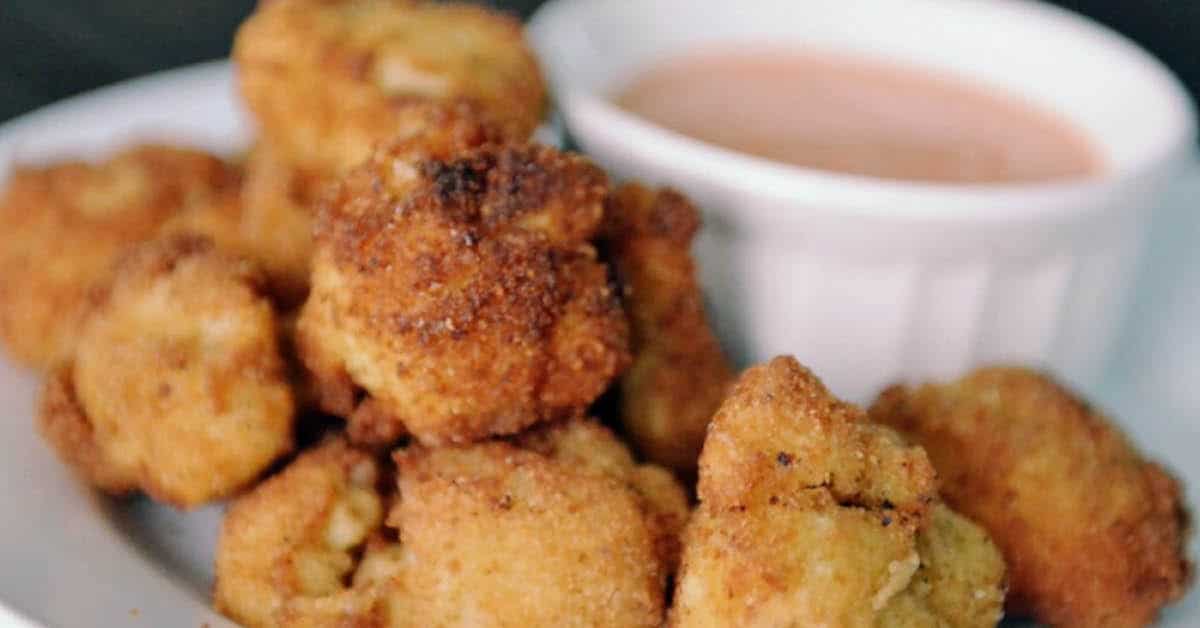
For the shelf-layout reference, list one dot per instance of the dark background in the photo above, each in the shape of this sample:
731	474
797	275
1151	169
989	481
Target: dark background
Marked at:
54	48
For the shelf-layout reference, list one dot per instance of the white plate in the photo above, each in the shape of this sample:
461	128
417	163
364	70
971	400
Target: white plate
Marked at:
69	558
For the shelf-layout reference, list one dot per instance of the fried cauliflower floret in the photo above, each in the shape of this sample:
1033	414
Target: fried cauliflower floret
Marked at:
458	291
277	223
679	374
810	516
493	535
67	429
587	446
960	582
177	387
63	226
268	220
546	530
328	79
288	547
280	199
219	219
1093	533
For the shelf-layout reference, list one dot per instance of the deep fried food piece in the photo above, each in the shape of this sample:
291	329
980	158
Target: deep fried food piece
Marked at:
679	374
218	219
1092	532
458	290
295	536
546	530
810	516
268	219
494	535
66	427
177	387
328	79
960	581
280	199
63	226
587	446
780	430
277	223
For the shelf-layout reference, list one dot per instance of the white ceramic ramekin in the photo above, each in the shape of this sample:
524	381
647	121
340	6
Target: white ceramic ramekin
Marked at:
871	281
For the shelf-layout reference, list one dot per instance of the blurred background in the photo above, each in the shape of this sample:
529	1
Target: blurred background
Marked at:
55	48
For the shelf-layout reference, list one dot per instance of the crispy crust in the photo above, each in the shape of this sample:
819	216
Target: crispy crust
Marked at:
679	374
811	516
292	541
586	446
457	289
961	580
178	372
277	223
62	227
64	425
219	219
556	510
1092	532
780	429
327	80
485	527
667	508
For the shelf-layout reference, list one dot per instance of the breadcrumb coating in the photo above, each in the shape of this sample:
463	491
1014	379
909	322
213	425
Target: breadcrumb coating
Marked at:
1093	533
293	539
587	446
455	294
679	374
177	387
62	226
780	429
493	535
328	79
546	529
277	223
960	581
218	219
66	428
810	516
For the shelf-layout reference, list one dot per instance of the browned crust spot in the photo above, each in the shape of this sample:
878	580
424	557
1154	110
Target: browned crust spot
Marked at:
465	276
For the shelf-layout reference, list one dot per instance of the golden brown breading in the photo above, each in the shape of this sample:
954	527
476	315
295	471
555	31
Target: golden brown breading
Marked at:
587	446
292	540
458	289
62	227
582	444
277	223
781	430
810	516
328	79
219	219
679	374
667	506
177	386
68	431
493	535
1092	532
268	220
961	580
546	530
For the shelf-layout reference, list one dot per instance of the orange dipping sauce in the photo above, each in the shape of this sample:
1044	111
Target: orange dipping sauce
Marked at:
857	116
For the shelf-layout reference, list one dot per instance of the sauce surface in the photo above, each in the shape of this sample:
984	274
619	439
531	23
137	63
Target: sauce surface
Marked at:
857	116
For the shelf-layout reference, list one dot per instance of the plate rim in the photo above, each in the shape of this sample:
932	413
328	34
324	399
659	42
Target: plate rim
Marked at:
214	78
